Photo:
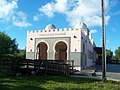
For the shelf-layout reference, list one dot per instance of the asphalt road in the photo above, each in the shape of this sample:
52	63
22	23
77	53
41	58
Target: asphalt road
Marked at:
112	71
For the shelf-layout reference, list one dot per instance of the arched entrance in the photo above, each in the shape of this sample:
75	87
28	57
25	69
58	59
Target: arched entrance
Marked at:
60	51
42	50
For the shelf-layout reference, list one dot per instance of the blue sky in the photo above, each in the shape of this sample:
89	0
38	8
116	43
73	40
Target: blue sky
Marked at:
19	16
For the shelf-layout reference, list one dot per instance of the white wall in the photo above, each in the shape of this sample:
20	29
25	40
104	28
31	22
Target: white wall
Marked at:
75	42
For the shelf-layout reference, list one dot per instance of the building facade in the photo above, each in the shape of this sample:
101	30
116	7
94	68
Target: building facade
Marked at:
62	44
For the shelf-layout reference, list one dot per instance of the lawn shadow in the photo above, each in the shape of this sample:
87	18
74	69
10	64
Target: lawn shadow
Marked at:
37	83
21	86
63	79
5	87
59	88
28	87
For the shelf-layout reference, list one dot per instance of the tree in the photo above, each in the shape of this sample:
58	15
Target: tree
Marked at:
21	54
109	54
117	53
7	45
114	58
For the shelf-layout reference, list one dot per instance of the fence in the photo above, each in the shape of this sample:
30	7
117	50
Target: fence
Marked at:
7	66
13	66
54	67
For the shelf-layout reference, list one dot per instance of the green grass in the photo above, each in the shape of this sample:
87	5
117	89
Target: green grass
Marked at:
56	83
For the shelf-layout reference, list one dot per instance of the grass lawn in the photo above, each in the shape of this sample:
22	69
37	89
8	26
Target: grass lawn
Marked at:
55	83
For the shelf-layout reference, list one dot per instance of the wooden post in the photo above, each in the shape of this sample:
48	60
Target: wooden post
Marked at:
27	67
72	64
103	44
46	67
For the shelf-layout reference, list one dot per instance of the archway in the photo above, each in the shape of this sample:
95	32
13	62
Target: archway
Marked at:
60	51
42	50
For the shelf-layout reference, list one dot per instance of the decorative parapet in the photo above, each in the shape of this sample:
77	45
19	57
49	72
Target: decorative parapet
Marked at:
53	30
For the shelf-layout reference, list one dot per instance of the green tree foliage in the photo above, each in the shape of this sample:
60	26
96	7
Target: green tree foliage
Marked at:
21	54
7	45
117	53
114	58
109	54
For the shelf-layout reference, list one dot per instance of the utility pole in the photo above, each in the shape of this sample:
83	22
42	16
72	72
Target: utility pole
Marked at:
103	44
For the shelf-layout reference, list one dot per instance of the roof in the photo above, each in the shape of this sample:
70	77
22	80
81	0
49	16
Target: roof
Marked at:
50	26
80	25
98	50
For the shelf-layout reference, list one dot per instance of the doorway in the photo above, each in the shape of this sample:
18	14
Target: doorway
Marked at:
42	51
60	51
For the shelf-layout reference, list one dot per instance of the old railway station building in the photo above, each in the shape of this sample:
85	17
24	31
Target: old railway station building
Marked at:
62	44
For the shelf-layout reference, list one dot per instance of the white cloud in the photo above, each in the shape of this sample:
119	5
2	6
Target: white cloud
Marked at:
8	12
107	18
7	8
93	31
88	12
112	3
37	17
48	9
20	20
22	15
22	24
60	6
77	11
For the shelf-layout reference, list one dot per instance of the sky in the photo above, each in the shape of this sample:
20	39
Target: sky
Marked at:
19	16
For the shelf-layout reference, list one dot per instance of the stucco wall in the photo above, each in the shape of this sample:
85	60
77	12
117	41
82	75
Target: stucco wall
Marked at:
74	34
76	56
30	55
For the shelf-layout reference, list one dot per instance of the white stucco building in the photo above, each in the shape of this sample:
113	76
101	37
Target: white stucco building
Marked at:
62	44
